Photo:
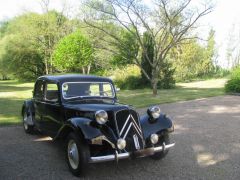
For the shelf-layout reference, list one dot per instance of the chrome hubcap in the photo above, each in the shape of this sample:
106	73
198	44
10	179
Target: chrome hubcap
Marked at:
73	155
25	119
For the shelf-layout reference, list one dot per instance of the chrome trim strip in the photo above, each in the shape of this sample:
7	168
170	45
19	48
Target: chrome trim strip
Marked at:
125	125
139	133
134	121
127	130
126	155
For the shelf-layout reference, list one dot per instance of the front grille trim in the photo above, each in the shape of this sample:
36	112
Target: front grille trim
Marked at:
128	126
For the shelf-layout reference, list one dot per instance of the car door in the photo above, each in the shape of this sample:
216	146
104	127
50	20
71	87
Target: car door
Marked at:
38	102
53	115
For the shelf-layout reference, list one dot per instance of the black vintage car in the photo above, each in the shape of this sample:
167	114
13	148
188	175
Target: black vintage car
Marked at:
84	111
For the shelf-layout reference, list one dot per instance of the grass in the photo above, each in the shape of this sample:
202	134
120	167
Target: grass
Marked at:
183	91
13	93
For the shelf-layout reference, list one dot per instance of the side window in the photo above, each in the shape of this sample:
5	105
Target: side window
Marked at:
38	91
107	89
94	90
51	92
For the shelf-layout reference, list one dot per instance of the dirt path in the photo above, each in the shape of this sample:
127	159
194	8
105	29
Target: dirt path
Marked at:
207	136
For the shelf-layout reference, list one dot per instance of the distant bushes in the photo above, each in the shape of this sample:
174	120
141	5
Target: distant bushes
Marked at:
233	85
129	77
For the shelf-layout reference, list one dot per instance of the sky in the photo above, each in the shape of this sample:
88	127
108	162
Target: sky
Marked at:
225	15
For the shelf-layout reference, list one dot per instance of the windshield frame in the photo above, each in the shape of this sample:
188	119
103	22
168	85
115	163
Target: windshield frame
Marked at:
89	97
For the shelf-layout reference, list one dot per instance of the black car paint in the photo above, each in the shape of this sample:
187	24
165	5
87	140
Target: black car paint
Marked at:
58	118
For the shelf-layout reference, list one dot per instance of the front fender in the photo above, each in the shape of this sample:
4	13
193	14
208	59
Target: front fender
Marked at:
162	124
84	126
90	133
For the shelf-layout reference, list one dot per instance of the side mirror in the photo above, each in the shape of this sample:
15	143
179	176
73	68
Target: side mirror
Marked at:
117	89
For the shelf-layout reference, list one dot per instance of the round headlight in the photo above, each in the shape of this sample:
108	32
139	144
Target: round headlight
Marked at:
154	112
121	144
101	116
154	138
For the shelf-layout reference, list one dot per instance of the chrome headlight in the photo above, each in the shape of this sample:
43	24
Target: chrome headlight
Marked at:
101	116
154	112
121	144
154	138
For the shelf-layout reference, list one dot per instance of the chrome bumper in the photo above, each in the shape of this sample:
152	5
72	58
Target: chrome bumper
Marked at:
140	153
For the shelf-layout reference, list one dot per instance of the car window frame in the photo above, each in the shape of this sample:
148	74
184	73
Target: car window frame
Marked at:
35	88
45	92
90	97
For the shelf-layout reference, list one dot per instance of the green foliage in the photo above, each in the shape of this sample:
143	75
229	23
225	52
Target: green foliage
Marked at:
166	72
193	60
233	85
73	52
166	76
127	77
28	42
20	58
127	49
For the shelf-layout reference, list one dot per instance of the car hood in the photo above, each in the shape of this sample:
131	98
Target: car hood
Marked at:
96	107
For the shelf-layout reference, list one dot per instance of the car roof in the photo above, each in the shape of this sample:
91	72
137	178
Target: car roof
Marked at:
74	78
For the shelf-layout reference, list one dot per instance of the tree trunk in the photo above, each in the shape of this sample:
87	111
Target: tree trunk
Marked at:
154	87
46	66
154	80
88	68
83	70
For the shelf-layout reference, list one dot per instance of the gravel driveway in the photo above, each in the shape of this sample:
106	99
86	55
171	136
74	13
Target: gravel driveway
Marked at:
207	136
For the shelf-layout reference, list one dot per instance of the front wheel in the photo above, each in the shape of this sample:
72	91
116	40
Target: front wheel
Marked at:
160	155
78	154
27	128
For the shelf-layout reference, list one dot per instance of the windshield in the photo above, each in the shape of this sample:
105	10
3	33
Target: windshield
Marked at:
72	90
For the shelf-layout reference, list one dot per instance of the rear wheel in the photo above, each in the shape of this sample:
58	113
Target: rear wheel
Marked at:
27	128
78	155
160	155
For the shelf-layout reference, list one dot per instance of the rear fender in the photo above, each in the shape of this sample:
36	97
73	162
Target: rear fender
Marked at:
28	105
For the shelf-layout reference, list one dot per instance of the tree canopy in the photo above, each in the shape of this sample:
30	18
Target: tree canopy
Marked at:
74	52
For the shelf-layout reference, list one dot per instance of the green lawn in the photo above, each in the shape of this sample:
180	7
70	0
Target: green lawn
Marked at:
13	93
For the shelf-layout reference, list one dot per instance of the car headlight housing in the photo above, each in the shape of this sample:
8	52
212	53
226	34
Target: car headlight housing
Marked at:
154	112
101	116
121	144
154	138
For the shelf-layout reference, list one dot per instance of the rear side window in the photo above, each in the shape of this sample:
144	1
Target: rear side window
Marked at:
51	92
39	87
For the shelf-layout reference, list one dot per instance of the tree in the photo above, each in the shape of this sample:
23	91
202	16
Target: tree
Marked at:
149	47
73	52
20	58
188	60
125	54
233	47
168	22
36	34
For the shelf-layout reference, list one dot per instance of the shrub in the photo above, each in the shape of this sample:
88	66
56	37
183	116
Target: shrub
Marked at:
233	85
127	77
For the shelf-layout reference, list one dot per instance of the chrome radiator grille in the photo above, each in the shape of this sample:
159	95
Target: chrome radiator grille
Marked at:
127	121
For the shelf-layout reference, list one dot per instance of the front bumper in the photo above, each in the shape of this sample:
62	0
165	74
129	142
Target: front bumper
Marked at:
140	153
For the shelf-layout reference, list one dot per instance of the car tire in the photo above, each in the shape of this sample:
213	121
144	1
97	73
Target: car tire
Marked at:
29	129
78	154
160	155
